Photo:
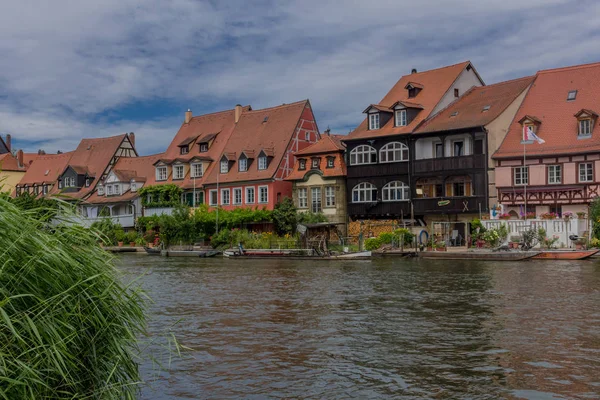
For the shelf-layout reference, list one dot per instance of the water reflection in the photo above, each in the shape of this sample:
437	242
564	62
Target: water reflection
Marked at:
378	329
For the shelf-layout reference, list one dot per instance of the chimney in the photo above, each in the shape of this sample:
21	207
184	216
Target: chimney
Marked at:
238	112
414	71
132	139
8	140
188	116
20	158
41	152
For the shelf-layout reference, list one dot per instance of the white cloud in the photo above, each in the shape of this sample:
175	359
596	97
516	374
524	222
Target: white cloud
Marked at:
64	63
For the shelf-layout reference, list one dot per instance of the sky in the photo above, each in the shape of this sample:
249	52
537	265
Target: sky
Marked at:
75	69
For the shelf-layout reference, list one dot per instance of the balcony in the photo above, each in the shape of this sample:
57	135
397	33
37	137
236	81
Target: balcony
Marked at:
449	164
151	211
382	169
126	221
455	205
392	209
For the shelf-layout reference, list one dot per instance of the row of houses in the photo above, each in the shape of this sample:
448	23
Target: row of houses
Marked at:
440	146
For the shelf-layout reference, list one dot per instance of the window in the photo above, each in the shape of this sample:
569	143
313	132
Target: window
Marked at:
69	181
117	189
330	161
161	173
458	189
237	196
87	182
302	164
364	193
393	152
412	92
586	173
307	136
198	198
459	148
214	197
329	196
263	194
315	163
249	195
303	198
225	193
262	162
45	189
109	190
224	166
521	175
197	170
585	127
554	174
178	172
133	186
374	121
184	150
363	155
456	92
571	95
315	200
439	150
243	165
401	118
395	191
203	147
100	190
60	185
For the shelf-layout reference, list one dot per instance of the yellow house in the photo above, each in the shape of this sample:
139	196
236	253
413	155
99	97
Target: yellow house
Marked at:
11	171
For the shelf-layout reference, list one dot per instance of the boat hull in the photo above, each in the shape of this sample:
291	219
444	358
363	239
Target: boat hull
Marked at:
565	254
483	256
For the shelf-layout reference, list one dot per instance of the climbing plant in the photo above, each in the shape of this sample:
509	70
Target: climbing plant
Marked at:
160	195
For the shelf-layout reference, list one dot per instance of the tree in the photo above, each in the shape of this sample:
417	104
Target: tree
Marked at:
284	216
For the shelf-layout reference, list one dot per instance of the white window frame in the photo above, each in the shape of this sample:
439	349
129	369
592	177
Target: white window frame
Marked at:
395	191
398	152
260	194
262	162
588	127
329	196
243	164
184	149
585	169
373	121
210	197
133	186
45	189
109	190
117	189
236	192
197	196
464	147
330	162
316	199
69	182
303	197
400	117
225	197
302	164
315	163
250	199
197	170
361	190
178	171
307	137
521	176
203	147
100	190
362	155
159	171
554	177
224	166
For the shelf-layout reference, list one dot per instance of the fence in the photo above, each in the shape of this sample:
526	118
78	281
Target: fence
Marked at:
553	227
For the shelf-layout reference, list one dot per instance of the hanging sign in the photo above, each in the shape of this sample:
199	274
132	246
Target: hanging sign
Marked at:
443	203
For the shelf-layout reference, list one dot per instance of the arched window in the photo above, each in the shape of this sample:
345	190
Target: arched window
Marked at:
395	191
363	155
393	152
364	193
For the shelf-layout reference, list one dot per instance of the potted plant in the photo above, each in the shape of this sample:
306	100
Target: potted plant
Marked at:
131	237
120	237
514	242
568	215
580	243
580	215
504	216
440	246
549	215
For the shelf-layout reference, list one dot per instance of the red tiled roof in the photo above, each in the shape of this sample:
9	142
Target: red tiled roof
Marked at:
435	82
547	100
407	104
8	162
46	169
379	107
470	107
269	130
327	146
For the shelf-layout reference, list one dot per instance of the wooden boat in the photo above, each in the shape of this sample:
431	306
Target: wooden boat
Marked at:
189	253
153	251
479	255
294	254
565	254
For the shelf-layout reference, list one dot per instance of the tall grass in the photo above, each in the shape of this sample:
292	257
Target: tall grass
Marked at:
68	326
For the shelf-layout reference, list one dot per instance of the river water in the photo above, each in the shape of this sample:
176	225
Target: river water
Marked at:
385	328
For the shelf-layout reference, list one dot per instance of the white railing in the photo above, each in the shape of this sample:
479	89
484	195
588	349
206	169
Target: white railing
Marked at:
553	227
126	221
148	212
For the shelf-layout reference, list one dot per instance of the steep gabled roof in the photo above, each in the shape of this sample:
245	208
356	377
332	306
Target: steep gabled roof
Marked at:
327	144
547	100
435	83
477	107
46	168
269	130
8	162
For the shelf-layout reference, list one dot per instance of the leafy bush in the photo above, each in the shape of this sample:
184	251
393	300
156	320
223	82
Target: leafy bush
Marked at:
69	326
386	238
372	244
309	217
409	237
131	237
108	231
120	235
284	216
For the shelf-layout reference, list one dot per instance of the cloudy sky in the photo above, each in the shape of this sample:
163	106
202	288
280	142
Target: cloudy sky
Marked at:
73	69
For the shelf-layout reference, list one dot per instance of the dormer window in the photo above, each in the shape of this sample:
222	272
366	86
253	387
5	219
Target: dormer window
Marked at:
100	190
456	93
262	162
330	161
161	173
109	190
412	92
315	163
178	172
45	189
133	186
585	127
572	95
203	147
197	170
400	117
374	121
88	182
69	181
302	164
224	165
60	184
585	122
184	149
243	164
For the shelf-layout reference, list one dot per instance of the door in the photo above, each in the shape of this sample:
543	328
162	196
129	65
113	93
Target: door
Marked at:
315	196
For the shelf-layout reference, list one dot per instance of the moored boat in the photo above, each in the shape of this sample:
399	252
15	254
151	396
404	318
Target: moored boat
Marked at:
153	251
565	254
479	255
304	254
